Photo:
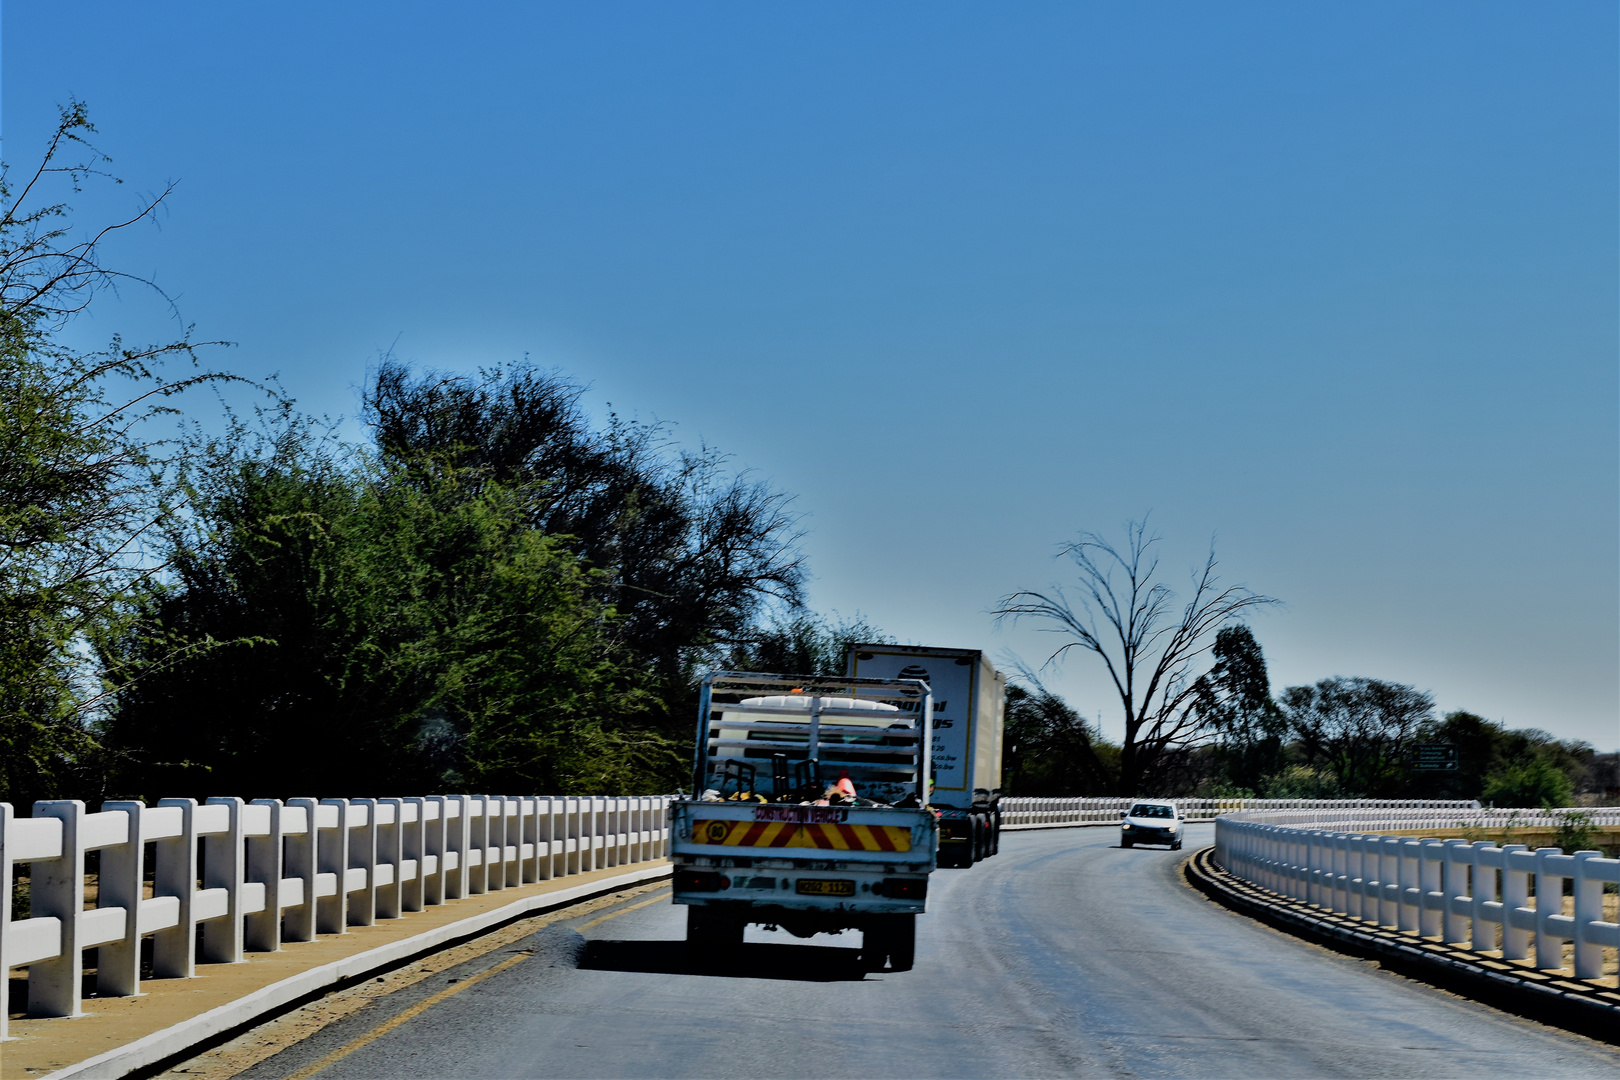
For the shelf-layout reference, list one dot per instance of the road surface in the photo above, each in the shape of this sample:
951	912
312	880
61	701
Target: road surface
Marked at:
1063	956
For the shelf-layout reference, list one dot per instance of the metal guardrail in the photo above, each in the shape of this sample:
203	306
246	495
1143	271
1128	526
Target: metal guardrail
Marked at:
1474	893
256	875
1078	811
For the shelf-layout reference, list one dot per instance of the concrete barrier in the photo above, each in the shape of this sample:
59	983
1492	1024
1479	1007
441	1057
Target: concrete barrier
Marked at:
1024	813
1455	891
252	876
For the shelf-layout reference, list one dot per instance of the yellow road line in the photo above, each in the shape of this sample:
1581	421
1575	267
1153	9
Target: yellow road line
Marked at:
428	1002
624	910
407	1015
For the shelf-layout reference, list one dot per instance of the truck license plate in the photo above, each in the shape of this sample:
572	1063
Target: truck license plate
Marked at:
812	887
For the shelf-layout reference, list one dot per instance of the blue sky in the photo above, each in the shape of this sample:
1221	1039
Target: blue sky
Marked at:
1335	283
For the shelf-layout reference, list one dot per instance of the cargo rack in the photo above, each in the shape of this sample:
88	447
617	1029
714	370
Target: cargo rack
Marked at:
783	738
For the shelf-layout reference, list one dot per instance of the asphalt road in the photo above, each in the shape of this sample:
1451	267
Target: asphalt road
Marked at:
1063	956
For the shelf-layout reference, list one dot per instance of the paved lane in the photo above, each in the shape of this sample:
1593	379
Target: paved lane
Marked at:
1064	956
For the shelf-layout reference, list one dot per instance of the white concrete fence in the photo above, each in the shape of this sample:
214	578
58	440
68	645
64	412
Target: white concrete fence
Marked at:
1476	894
256	875
1027	812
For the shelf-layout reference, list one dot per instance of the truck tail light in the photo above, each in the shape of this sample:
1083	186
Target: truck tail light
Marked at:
699	881
903	888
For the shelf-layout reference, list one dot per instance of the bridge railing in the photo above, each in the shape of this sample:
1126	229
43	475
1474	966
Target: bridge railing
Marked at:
1503	898
1080	811
253	875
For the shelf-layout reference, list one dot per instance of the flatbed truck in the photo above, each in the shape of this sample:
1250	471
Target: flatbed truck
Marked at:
767	840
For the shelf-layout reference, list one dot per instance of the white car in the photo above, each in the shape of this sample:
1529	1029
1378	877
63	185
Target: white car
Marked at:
1152	821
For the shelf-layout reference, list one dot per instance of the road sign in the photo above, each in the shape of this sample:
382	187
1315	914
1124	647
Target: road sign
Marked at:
1434	757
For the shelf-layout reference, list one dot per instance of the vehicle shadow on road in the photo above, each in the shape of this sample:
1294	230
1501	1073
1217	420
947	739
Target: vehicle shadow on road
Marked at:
797	963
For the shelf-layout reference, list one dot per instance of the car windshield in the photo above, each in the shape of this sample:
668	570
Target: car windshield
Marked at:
1151	810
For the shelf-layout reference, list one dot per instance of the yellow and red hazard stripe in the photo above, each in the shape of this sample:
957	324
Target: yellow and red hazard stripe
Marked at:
788	834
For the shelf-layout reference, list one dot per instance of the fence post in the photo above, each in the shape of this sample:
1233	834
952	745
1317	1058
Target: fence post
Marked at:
529	837
7	869
332	860
118	963
1454	887
413	849
261	930
512	812
1389	881
301	863
477	853
1485	882
456	844
494	843
174	873
1515	892
222	869
1588	910
390	853
1549	901
56	890
1409	897
435	841
363	855
1431	900
1341	873
545	833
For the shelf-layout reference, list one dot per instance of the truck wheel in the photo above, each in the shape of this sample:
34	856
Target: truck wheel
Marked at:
892	938
712	929
875	944
995	833
903	943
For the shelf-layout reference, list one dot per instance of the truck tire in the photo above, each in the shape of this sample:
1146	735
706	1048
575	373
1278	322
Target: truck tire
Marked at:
903	943
995	833
890	938
713	930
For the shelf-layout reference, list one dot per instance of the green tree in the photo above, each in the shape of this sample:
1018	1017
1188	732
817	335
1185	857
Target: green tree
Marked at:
402	620
1535	781
83	481
1478	742
802	643
1234	701
691	552
1358	730
1051	750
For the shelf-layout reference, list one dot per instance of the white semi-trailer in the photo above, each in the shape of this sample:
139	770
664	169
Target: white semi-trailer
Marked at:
811	812
970	701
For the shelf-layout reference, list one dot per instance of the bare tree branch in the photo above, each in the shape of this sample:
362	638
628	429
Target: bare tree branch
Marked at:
1126	618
